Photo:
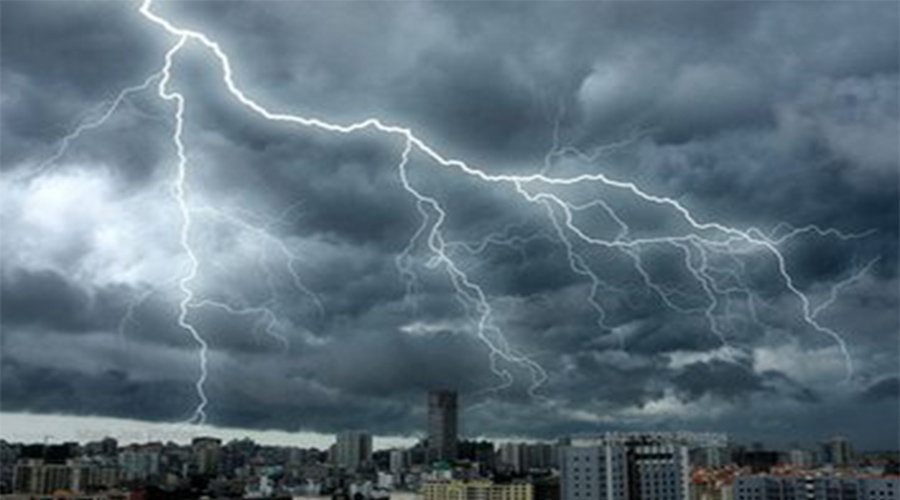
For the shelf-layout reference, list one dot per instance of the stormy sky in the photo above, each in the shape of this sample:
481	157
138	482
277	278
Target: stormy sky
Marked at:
335	284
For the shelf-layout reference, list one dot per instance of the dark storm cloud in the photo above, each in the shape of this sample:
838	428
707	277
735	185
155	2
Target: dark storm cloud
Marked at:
48	300
885	389
61	58
112	393
729	381
747	113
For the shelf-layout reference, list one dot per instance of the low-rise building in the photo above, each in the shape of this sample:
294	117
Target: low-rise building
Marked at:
477	490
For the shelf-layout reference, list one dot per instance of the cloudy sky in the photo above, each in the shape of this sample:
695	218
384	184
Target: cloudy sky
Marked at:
678	215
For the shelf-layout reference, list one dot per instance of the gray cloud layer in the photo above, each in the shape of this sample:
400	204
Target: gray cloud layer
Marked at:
749	114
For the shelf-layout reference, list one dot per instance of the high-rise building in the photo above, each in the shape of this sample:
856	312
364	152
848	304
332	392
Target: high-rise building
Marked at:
442	430
815	487
28	476
353	450
140	462
625	466
96	474
837	452
512	457
206	454
524	457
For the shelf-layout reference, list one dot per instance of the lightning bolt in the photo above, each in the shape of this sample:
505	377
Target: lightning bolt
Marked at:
266	312
710	250
106	111
835	290
180	193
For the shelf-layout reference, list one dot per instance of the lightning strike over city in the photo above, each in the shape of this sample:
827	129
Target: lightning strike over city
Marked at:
289	220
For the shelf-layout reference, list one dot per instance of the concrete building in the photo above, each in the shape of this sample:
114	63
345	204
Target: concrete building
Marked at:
108	447
36	477
442	425
627	466
540	456
353	450
524	457
837	452
140	462
399	461
815	487
476	490
27	476
800	458
512	457
94	474
206	453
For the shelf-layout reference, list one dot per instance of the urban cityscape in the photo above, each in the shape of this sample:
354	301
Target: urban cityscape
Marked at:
446	466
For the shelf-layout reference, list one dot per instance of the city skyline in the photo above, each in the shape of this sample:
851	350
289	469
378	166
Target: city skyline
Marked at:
295	219
611	465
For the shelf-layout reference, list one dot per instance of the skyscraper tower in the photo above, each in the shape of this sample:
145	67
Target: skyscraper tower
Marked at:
353	450
442	425
837	452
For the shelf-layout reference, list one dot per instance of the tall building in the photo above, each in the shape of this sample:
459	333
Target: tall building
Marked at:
625	466
95	474
28	476
810	487
353	450
140	462
837	452
442	430
206	453
524	457
512	457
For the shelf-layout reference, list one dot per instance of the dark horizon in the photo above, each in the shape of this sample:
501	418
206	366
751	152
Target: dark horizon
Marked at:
413	438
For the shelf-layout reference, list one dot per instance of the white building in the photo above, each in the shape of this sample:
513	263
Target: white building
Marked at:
616	466
813	487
